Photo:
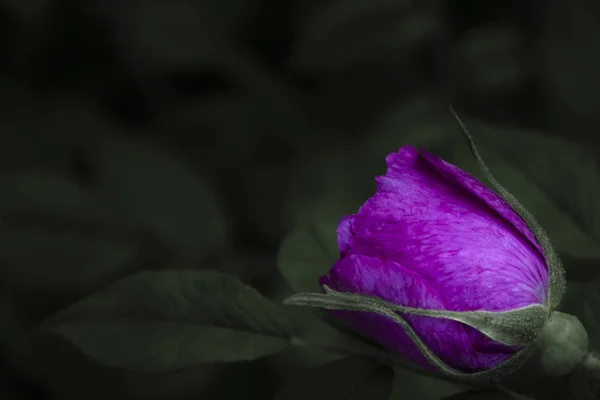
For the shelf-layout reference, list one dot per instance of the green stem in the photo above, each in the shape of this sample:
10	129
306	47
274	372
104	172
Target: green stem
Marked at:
591	365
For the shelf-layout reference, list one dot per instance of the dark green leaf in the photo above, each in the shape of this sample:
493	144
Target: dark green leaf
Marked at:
343	32
494	325
556	275
165	320
408	385
480	395
377	386
306	254
172	383
161	191
350	378
55	234
329	334
318	341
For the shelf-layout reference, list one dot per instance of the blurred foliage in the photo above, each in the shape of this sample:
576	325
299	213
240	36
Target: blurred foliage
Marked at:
196	135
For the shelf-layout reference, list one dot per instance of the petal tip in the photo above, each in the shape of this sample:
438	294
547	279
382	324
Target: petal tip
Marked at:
406	154
324	280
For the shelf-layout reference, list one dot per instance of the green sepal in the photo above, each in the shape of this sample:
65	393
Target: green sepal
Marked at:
556	274
484	321
518	327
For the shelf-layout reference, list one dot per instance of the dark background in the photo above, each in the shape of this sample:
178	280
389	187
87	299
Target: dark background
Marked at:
155	134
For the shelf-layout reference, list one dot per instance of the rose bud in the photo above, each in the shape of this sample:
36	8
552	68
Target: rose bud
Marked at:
441	270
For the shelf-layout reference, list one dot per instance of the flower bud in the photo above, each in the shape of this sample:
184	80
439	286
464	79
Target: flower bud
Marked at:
450	274
435	238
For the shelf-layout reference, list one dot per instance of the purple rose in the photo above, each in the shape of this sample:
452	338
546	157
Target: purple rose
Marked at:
434	237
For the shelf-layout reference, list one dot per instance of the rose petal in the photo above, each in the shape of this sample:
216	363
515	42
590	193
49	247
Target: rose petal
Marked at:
455	175
435	228
388	280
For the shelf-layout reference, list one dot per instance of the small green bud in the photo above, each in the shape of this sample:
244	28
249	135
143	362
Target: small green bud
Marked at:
563	344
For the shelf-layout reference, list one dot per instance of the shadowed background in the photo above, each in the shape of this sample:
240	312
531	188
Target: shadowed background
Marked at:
160	134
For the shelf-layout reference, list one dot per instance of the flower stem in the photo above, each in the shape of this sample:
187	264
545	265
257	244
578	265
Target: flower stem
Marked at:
591	365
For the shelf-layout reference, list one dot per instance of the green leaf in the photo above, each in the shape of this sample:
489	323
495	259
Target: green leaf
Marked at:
55	234
343	32
172	383
318	332
306	254
323	334
556	275
480	395
408	385
555	179
514	327
353	302
161	191
166	320
350	378
46	191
